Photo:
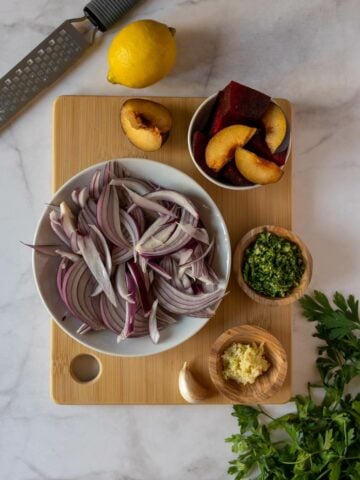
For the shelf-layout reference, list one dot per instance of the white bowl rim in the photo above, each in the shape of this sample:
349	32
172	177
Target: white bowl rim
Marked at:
34	254
211	179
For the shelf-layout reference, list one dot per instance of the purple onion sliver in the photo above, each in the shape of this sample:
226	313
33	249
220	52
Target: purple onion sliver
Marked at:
147	204
174	197
96	266
153	327
105	248
50	250
138	277
159	270
121	284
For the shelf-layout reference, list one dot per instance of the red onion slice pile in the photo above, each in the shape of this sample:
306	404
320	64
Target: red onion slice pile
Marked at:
133	256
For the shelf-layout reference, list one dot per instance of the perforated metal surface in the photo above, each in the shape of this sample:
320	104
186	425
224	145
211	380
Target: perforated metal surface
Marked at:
39	69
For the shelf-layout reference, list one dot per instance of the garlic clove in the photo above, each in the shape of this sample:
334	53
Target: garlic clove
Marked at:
190	389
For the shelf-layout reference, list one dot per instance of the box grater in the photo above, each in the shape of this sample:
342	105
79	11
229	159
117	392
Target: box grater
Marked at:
53	56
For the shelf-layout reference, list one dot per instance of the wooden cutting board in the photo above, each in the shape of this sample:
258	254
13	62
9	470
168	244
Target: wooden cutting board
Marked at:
86	131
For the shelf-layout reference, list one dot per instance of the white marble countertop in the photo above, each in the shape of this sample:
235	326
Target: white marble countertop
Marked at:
304	50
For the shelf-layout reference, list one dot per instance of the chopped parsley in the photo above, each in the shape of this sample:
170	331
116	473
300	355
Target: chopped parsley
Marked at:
272	265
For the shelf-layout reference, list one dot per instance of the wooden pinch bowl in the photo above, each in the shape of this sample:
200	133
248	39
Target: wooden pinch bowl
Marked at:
267	384
247	240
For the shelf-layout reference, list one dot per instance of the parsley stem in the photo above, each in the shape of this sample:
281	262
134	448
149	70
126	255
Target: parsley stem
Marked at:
264	412
323	474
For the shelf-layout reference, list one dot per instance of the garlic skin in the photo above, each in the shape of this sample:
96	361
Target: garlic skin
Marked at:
190	389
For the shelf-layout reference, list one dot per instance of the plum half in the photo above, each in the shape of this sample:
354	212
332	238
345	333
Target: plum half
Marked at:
145	123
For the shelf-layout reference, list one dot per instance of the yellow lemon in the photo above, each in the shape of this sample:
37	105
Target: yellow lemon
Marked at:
141	54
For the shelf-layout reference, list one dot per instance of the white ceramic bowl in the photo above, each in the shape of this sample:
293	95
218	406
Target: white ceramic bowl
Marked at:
44	267
198	122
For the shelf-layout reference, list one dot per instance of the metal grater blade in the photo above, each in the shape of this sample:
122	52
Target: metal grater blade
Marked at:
41	68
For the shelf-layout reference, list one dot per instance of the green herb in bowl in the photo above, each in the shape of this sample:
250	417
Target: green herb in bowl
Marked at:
273	266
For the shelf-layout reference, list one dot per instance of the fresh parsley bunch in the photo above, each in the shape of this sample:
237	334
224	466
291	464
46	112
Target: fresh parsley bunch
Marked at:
322	439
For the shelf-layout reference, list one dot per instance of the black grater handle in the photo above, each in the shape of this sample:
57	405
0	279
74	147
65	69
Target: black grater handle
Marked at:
105	13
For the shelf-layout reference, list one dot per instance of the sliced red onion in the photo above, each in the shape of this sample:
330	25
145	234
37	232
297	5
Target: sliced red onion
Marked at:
186	283
105	248
153	328
97	291
179	302
130	226
83	224
174	197
107	177
67	219
197	288
143	264
207	313
75	195
176	242
69	255
56	226
113	318
96	266
154	266
154	228
208	287
138	215
92	205
138	277
147	204
76	288
88	215
95	185
197	257
211	254
209	277
183	255
120	284
108	217
121	255
74	243
50	250
112	170
60	274
164	317
199	234
130	309
154	238
136	185
83	197
157	240
83	329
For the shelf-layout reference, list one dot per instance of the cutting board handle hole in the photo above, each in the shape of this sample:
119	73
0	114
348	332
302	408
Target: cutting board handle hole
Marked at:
85	368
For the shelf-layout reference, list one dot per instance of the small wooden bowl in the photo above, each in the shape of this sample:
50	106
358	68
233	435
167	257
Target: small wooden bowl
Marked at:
238	261
266	384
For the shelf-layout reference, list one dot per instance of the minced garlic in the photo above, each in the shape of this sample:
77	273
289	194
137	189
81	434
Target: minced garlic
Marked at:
244	363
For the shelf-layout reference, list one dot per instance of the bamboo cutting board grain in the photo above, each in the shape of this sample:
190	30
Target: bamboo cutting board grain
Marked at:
87	131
